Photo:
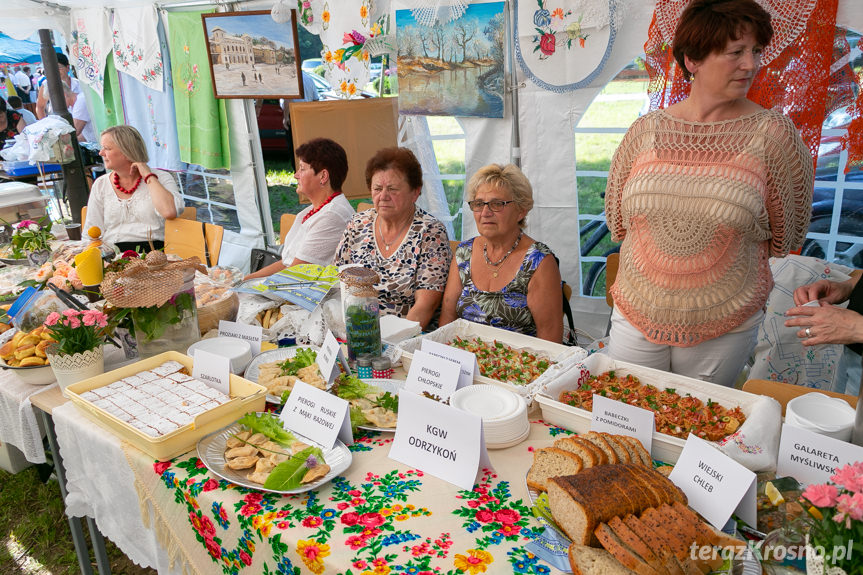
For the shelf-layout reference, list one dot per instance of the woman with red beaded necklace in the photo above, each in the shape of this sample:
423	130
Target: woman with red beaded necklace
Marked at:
131	202
322	166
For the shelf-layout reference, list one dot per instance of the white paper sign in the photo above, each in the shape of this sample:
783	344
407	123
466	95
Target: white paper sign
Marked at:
621	418
715	484
440	440
466	359
812	458
249	333
328	355
436	375
212	369
318	415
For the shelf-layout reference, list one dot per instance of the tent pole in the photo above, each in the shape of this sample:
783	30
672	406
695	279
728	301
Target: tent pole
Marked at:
73	173
515	145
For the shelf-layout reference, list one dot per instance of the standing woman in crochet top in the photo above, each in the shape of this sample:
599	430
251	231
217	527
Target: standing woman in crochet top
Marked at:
701	194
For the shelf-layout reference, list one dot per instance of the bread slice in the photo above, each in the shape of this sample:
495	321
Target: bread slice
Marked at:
633	455
579	447
671	536
600	441
589	561
634	542
707	563
600	454
627	556
551	462
661	484
642	453
619	448
656	544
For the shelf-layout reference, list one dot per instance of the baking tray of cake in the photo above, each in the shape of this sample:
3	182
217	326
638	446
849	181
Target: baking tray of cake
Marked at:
561	356
165	413
665	447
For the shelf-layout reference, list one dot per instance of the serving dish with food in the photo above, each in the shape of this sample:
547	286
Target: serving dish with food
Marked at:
278	369
677	401
257	452
157	405
518	362
374	402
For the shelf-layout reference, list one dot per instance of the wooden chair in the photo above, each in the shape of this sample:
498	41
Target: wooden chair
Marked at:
186	238
785	392
285	224
363	206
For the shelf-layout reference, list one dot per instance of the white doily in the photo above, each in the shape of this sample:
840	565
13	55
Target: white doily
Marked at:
281	11
431	12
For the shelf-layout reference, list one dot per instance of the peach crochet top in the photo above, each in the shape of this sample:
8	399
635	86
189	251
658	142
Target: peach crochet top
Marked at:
700	207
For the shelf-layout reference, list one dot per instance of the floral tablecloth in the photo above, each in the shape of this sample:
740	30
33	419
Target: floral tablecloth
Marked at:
379	517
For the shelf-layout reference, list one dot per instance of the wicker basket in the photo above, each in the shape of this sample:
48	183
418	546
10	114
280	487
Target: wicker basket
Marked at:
210	314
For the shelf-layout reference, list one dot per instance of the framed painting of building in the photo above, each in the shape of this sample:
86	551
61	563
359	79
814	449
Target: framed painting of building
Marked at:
252	56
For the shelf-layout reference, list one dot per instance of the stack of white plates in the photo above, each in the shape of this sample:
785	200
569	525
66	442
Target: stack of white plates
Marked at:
503	412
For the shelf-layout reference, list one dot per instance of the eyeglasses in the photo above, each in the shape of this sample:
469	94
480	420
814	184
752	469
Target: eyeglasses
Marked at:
493	205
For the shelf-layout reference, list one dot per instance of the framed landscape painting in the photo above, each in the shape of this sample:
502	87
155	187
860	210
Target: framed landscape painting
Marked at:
252	56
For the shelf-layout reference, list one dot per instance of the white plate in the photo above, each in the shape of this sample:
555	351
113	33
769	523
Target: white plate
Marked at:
393	386
211	451
489	402
509	443
280	354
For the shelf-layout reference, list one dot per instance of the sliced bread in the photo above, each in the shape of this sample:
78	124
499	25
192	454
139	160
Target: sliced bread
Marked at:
590	561
627	556
626	535
579	447
642	453
600	441
656	544
551	462
618	447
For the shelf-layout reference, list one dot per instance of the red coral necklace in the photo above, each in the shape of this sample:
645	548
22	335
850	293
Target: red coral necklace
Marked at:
319	208
123	190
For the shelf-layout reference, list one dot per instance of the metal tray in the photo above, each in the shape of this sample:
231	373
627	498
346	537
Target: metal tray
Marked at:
211	451
280	354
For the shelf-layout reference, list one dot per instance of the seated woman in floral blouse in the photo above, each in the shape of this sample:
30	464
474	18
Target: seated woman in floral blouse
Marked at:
406	246
503	277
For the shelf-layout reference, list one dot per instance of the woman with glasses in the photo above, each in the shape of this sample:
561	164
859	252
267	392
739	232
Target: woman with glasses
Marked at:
322	166
701	194
406	246
503	277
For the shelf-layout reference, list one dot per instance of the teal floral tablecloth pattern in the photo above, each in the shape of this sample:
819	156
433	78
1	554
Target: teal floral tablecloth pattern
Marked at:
379	518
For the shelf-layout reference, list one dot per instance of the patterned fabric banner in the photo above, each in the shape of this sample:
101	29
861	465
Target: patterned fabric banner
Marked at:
91	45
151	111
107	111
137	50
202	124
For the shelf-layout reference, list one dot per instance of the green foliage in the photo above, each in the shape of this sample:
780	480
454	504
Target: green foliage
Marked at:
269	425
289	474
304	357
150	322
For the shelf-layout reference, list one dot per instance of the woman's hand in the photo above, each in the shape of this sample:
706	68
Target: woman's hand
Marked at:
142	168
824	290
826	324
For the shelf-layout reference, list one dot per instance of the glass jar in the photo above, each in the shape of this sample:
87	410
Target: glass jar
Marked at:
361	310
172	326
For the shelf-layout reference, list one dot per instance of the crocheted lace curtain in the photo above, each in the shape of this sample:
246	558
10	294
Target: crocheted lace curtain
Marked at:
799	75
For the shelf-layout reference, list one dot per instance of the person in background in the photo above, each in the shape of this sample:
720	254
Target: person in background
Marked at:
16	104
21	79
407	247
131	202
512	282
322	169
827	323
701	194
310	94
43	100
81	117
11	123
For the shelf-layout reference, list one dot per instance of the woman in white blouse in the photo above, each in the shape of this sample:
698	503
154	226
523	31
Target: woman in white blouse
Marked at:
131	202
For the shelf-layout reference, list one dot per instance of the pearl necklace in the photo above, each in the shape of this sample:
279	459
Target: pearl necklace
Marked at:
123	190
319	208
497	264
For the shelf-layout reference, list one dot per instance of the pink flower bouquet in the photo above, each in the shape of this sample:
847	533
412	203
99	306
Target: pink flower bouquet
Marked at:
77	331
837	532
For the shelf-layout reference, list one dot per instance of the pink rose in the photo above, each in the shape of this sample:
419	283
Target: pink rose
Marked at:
355	542
253	497
213	548
210	485
821	495
371	519
245	558
351	518
507	516
342	506
546	44
484	516
312	522
161	466
473	503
